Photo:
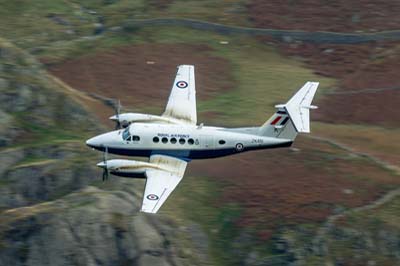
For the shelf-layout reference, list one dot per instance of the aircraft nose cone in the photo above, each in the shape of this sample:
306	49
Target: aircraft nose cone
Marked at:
93	142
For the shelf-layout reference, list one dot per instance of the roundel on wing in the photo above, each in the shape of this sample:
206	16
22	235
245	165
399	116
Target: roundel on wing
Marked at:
152	197
182	84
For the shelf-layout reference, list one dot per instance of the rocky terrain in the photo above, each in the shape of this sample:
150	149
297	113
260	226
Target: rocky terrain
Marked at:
54	209
333	199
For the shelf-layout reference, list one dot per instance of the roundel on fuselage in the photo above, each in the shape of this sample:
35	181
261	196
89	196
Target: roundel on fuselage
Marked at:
239	147
182	84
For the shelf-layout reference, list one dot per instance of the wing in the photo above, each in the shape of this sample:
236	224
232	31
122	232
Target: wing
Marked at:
182	100
161	181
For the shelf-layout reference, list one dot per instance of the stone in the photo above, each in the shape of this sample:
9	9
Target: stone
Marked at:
4	84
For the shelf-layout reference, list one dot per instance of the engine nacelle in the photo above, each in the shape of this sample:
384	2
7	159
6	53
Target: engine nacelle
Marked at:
126	119
127	168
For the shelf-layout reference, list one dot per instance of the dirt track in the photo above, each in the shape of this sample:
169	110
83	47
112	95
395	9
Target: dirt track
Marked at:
286	187
277	186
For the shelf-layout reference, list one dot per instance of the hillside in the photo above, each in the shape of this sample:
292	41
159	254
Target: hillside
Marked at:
54	208
332	199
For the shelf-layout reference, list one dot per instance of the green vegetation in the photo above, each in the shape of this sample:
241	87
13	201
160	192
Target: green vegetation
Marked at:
380	142
205	207
232	12
29	23
258	70
36	24
369	234
262	77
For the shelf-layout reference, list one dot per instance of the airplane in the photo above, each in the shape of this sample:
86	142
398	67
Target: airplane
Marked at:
174	138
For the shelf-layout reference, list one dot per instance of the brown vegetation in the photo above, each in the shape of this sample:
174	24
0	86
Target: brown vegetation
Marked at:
358	67
285	187
319	15
142	73
369	88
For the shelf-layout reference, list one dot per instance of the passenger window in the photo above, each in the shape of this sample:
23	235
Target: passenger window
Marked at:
222	142
182	141
190	141
156	139
135	138
173	140
164	140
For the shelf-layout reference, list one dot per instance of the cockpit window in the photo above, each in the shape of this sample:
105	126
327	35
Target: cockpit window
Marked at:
125	134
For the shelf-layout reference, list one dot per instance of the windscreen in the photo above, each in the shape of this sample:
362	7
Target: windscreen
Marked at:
125	134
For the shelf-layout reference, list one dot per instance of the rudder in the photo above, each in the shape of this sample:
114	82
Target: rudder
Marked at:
294	116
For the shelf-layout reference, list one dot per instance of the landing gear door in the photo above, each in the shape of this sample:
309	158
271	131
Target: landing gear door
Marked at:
207	141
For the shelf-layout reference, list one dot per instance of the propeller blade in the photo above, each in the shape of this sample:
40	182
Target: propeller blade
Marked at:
105	155
117	125
105	171
118	107
105	174
117	112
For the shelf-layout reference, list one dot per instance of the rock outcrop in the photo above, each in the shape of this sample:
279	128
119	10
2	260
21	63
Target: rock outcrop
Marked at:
53	208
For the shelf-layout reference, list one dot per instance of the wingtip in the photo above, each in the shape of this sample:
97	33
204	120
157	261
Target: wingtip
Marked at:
190	66
147	211
315	83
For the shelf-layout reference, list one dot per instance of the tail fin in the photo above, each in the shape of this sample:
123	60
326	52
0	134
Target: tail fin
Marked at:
292	117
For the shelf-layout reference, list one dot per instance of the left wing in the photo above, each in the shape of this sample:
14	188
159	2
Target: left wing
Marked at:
161	181
182	100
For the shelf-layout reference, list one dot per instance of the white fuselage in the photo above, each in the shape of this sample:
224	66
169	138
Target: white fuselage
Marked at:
183	141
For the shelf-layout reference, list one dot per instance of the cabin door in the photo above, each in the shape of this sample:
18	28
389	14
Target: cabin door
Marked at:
207	141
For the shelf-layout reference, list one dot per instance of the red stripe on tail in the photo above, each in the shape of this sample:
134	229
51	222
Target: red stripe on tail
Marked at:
276	120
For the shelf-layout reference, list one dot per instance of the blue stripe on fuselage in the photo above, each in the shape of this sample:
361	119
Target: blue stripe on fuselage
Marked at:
187	154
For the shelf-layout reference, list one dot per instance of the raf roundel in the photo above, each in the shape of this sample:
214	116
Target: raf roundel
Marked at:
152	197
239	147
182	84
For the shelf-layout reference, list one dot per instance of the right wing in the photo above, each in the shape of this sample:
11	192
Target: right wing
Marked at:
161	181
182	100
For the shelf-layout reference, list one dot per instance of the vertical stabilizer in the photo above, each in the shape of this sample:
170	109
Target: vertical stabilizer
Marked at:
293	117
298	107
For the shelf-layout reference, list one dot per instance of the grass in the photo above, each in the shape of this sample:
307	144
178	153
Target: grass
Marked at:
389	213
259	71
198	200
369	234
261	81
34	24
40	134
377	141
262	76
28	24
200	208
232	12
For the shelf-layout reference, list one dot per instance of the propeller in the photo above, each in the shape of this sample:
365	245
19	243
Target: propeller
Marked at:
105	169
117	108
